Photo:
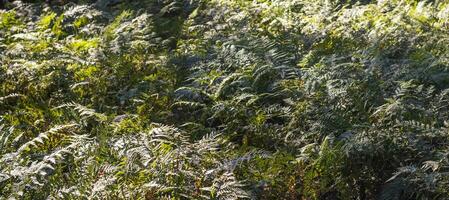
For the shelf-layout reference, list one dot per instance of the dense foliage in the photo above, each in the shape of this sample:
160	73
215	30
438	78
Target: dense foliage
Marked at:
224	99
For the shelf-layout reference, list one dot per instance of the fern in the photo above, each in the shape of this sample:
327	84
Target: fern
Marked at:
40	139
83	111
221	99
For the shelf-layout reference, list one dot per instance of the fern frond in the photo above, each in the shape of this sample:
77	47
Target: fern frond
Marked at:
42	137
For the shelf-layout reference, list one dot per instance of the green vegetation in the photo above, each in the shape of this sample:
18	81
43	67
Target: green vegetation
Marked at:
224	99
